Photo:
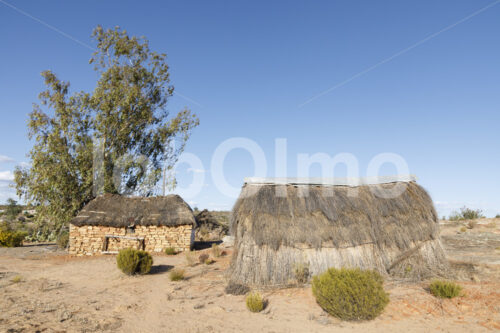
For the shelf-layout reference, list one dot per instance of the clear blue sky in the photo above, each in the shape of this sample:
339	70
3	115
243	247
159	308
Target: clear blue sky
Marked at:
246	67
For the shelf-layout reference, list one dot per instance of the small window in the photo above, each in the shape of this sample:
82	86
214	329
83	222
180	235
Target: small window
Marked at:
130	230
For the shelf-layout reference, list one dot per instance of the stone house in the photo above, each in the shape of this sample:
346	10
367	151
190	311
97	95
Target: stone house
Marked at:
110	223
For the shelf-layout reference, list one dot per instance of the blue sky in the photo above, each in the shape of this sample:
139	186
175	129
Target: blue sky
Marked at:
431	93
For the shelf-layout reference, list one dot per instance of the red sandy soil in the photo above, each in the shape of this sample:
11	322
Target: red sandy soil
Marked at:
58	293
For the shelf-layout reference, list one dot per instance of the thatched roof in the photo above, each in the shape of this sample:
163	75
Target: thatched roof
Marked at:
279	224
119	211
316	219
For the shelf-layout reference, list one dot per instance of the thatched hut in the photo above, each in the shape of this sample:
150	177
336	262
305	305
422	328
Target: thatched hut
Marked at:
388	224
113	222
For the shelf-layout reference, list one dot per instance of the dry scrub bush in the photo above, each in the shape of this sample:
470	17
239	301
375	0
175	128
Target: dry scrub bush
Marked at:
190	259
301	271
463	229
445	289
350	294
255	302
471	224
216	251
17	279
236	289
170	251
131	261
176	274
203	257
209	261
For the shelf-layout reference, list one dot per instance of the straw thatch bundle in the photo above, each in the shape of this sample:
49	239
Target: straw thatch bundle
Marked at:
118	211
280	226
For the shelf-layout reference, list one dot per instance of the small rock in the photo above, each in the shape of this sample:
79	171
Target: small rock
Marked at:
65	315
199	306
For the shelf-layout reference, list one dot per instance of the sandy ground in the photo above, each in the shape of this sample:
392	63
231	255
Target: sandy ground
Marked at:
58	293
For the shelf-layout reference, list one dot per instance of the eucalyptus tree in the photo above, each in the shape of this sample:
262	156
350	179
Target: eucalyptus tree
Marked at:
115	138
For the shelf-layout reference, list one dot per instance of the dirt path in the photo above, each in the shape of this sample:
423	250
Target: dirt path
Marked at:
58	293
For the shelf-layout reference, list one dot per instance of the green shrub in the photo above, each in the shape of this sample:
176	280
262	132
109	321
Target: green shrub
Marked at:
63	240
203	257
350	294
497	216
445	289
216	251
176	274
255	302
466	214
209	261
145	262
131	261
10	238
170	251
301	271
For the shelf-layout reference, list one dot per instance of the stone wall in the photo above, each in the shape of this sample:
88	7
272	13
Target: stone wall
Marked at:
89	240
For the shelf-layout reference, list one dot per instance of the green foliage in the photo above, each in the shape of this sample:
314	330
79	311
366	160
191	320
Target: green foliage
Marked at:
12	209
170	251
63	240
176	274
445	289
497	216
466	214
209	261
350	294
301	272
125	115
145	262
10	238
255	302
216	251
131	261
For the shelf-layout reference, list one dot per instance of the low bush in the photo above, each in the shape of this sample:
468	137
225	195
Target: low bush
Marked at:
209	261
445	289
301	271
190	258
216	251
63	240
463	229
471	224
145	262
203	257
17	279
176	274
255	302
10	238
170	251
497	216
350	294
131	261
236	289
466	214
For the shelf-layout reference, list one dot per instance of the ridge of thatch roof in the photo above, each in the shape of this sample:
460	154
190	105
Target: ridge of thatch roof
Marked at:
329	216
335	181
119	211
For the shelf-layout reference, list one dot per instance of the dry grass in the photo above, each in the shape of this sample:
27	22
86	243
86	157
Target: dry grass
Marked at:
275	224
